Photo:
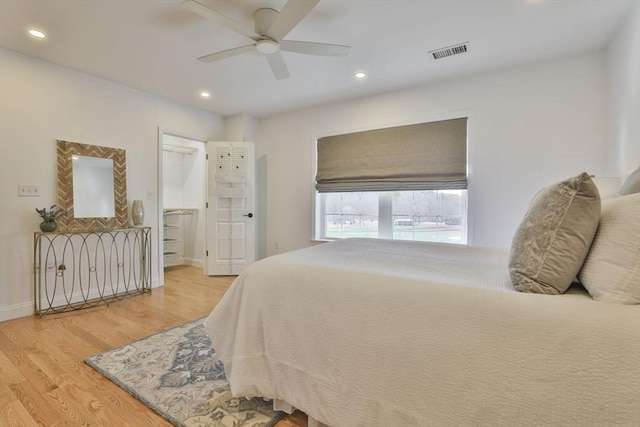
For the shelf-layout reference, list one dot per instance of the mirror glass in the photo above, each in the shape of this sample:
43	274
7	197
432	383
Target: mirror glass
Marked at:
93	195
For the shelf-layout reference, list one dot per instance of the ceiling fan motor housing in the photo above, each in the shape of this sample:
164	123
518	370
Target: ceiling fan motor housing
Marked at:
264	19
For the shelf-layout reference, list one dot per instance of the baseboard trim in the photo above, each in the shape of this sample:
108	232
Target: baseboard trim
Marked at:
193	262
24	309
14	311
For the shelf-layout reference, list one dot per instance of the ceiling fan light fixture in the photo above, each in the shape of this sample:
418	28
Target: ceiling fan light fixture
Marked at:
267	47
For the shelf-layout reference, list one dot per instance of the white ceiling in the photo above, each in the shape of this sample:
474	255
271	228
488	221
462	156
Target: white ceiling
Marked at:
152	45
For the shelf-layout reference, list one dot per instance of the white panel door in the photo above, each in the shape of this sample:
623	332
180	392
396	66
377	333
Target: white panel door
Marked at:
231	231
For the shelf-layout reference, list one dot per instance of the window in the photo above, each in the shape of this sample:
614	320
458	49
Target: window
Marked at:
405	183
427	215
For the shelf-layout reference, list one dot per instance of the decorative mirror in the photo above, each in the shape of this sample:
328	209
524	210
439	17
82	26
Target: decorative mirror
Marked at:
92	187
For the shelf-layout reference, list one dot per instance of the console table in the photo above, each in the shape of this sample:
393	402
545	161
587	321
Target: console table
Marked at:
77	270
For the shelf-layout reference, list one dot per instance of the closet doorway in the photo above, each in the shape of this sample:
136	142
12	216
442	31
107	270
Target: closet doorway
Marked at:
207	204
184	172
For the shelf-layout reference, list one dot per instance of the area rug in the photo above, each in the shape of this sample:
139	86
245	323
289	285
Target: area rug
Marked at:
178	375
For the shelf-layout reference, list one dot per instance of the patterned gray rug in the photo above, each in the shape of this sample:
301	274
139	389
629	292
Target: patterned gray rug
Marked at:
178	375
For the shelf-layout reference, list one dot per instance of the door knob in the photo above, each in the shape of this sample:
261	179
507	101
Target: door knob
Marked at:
250	215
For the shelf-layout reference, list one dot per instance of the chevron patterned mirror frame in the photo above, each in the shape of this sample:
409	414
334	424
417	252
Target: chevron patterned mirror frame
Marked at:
68	222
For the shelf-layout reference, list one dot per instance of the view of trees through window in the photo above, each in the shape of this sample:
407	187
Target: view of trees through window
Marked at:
430	216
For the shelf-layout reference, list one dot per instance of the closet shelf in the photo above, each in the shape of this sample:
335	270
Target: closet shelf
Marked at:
179	211
173	225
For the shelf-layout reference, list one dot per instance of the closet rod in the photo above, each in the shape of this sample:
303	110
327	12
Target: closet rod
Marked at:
179	149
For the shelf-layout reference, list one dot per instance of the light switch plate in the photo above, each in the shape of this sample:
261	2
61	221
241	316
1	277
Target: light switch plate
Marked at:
28	190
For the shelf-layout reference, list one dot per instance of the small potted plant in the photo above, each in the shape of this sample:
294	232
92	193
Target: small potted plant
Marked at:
49	218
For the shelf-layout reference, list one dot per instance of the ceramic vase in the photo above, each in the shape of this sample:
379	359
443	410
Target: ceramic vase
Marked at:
137	213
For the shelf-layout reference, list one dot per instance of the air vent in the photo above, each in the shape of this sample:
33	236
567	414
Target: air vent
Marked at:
450	50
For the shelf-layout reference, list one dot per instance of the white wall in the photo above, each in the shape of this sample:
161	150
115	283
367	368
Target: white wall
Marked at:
623	59
241	127
528	127
42	102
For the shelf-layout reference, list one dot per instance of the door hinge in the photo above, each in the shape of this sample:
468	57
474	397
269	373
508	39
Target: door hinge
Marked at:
207	156
207	205
207	253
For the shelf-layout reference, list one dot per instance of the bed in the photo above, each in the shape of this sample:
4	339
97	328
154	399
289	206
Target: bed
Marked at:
365	332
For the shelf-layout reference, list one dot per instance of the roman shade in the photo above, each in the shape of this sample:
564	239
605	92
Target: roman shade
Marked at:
426	156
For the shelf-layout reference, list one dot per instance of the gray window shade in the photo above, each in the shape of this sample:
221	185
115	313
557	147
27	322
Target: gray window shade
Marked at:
427	156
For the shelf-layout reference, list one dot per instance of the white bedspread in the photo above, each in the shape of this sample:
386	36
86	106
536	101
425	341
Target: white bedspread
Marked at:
386	333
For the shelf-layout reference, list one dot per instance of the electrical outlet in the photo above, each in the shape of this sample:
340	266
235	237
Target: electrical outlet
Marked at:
28	190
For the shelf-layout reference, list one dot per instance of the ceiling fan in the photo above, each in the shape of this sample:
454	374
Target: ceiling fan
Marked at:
271	27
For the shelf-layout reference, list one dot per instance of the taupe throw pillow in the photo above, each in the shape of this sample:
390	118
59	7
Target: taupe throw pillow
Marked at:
554	236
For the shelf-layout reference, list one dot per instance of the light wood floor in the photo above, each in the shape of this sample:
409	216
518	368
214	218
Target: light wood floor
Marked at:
44	381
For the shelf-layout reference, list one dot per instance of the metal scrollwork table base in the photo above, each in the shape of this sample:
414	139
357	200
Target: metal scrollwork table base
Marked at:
78	270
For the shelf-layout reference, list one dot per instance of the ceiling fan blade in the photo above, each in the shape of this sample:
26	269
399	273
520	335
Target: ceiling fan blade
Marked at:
227	53
212	15
310	48
278	67
291	14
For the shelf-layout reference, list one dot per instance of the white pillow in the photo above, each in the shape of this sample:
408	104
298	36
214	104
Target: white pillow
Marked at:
611	271
631	184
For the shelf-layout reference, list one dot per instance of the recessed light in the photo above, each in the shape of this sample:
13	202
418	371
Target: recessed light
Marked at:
205	94
34	32
360	75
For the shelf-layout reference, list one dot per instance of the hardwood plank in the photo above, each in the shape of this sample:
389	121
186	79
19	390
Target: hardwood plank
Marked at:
17	352
31	399
66	408
13	414
86	404
8	371
6	394
43	377
46	363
